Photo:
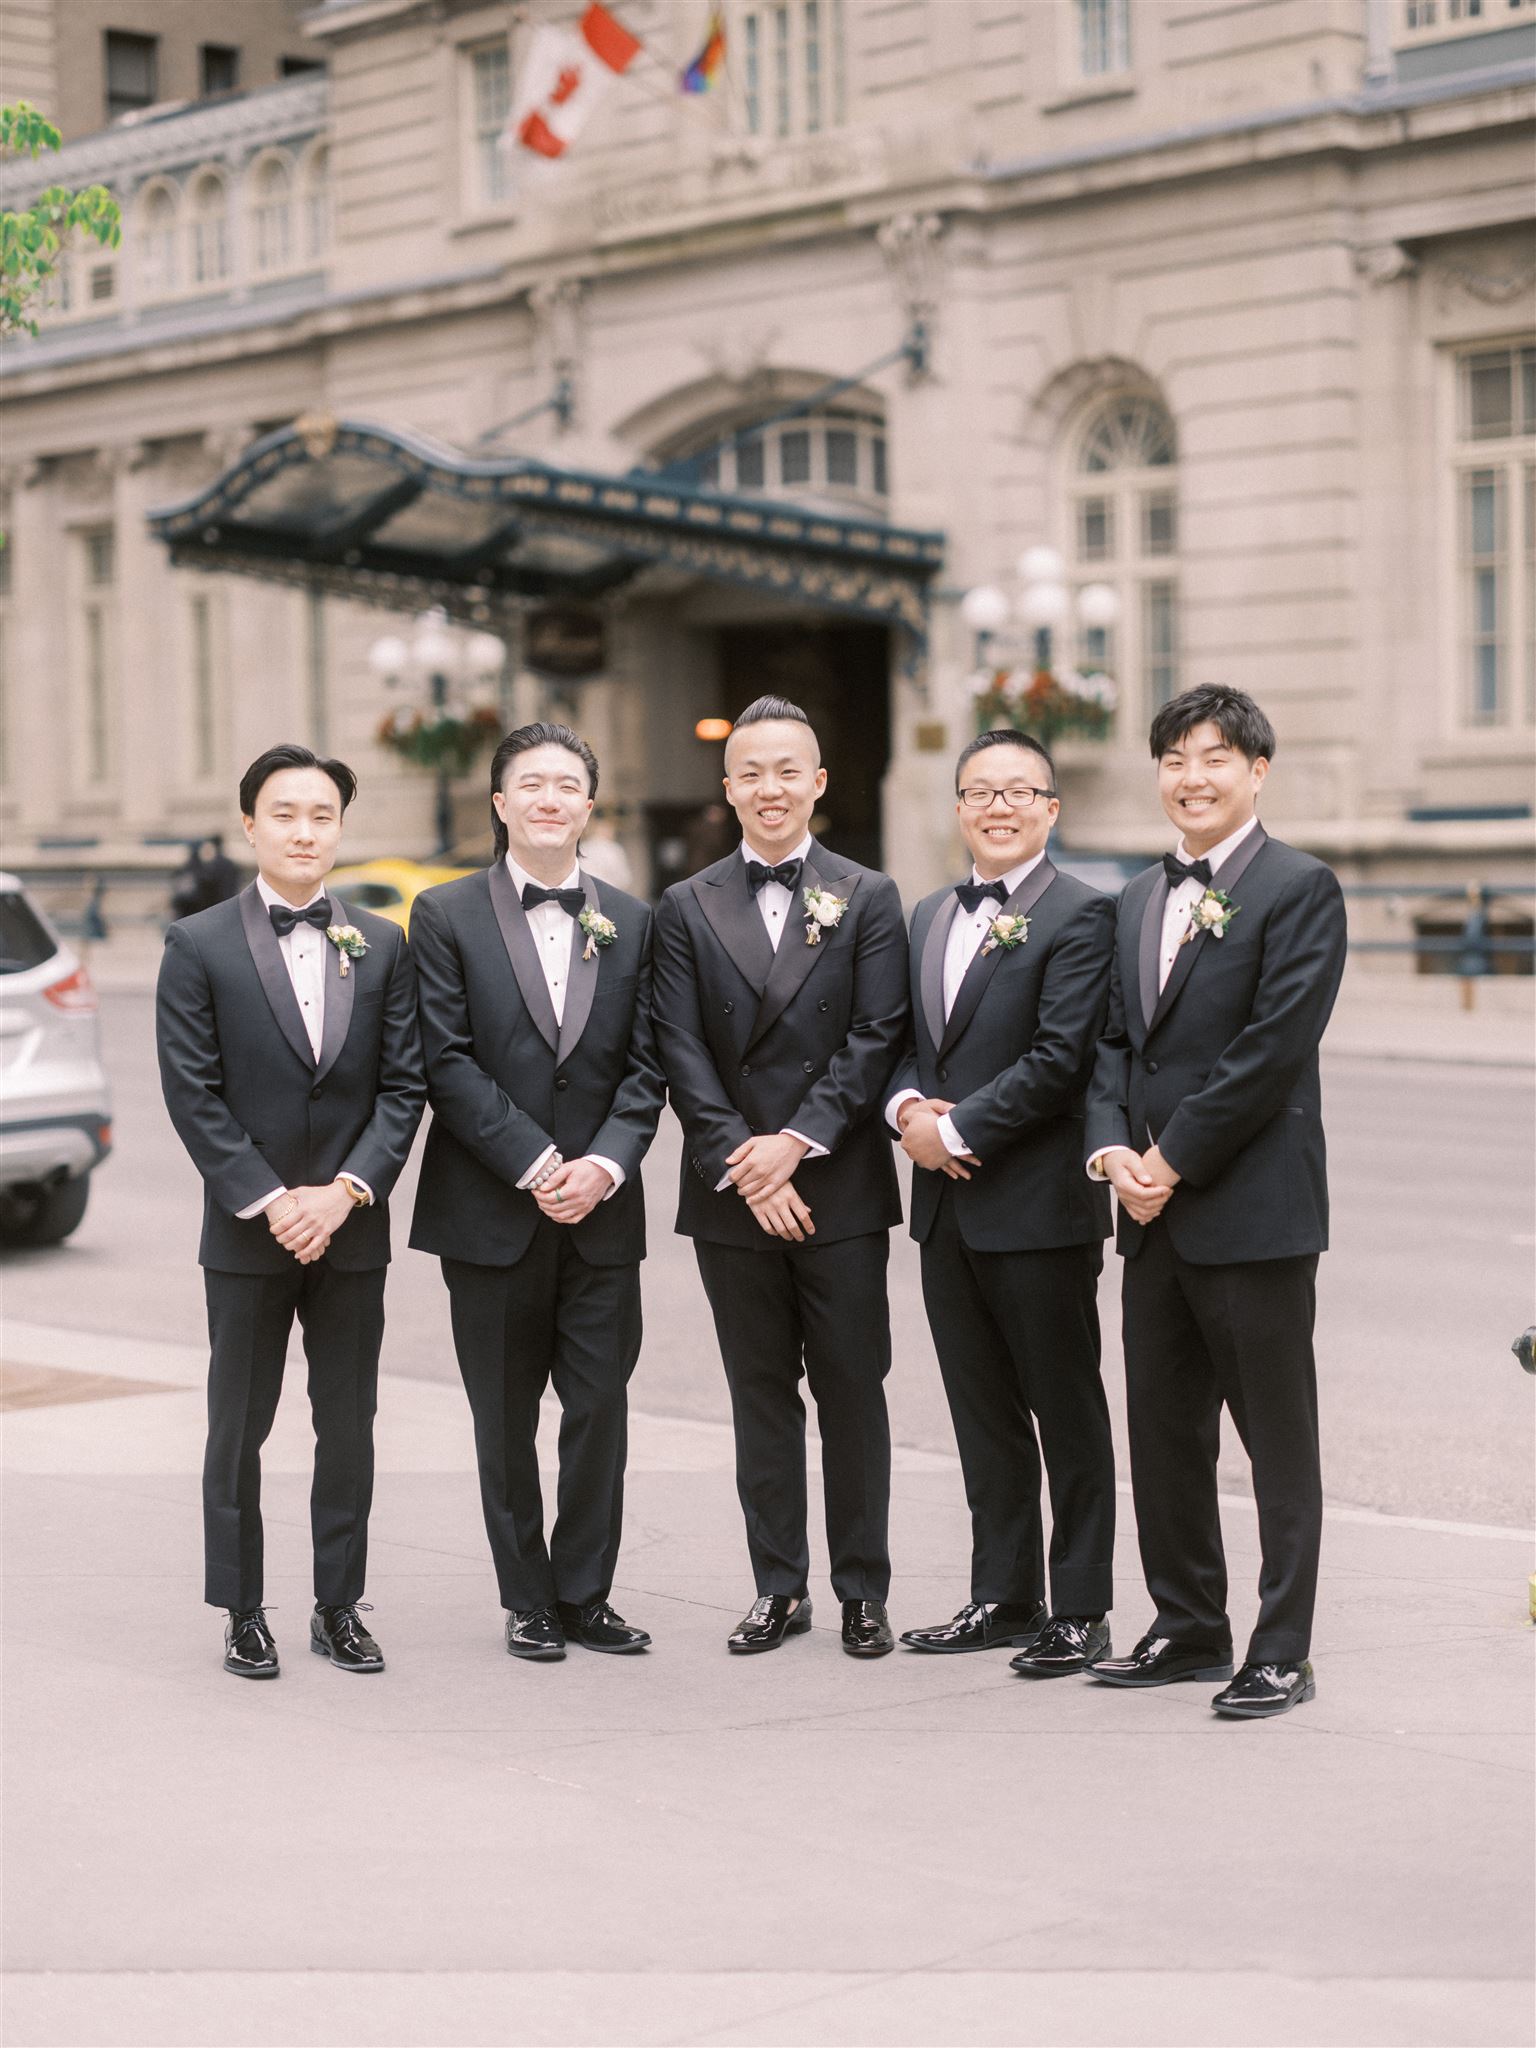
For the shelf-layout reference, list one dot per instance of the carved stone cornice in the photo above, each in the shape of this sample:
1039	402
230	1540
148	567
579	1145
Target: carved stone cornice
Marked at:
1385	262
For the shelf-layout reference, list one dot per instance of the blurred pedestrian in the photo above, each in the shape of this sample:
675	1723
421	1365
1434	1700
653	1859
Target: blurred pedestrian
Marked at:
208	877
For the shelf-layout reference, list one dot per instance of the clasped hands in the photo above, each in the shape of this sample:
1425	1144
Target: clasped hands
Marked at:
572	1191
923	1141
306	1219
1143	1181
760	1170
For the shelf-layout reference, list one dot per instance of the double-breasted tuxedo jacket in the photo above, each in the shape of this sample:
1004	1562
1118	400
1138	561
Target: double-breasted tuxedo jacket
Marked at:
1011	1257
257	1110
534	1300
756	1040
1220	1069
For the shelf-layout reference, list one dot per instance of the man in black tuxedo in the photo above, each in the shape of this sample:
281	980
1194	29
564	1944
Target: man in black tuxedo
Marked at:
1010	984
545	1090
781	1006
1205	1114
291	1065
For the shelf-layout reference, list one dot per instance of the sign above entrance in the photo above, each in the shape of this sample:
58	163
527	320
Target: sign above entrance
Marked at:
565	640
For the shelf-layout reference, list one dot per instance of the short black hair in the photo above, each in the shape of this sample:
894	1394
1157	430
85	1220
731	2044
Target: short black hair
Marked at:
772	711
1006	736
522	740
289	755
1234	714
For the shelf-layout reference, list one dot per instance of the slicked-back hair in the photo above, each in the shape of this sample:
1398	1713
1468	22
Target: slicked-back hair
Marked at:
522	740
1005	736
1233	713
289	755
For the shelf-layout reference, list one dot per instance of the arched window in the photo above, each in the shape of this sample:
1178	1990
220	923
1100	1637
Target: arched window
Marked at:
209	239
157	242
837	457
317	204
1124	510
272	215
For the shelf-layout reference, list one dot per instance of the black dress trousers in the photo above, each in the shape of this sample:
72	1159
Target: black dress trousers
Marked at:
550	1317
821	1310
1017	1337
250	1317
1197	1337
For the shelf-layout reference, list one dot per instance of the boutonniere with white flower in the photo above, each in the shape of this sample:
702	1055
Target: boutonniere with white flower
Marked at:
1005	932
349	943
823	913
600	931
1212	913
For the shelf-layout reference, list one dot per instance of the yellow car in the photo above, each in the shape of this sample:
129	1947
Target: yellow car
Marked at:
388	887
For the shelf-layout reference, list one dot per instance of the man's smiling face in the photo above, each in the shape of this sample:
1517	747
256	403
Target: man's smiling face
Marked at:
1016	822
1208	787
773	777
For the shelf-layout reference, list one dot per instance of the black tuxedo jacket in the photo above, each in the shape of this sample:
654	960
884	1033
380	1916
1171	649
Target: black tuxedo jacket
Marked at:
249	1100
1014	1057
756	1040
505	1082
1220	1070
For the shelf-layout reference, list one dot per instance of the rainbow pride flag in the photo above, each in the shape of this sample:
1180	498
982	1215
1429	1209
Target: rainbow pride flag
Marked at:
705	68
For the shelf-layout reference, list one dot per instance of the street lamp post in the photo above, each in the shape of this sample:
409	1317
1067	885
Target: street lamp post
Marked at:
444	660
1043	601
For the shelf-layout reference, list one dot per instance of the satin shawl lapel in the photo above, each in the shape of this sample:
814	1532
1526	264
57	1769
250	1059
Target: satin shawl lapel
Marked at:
1225	877
735	920
796	956
336	1019
930	957
1151	945
523	953
984	965
581	980
262	940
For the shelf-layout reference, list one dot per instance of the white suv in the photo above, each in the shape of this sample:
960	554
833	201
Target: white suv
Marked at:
55	1111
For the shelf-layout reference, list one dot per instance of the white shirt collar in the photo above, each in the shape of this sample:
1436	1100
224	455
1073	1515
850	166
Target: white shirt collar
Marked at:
800	852
521	878
1015	876
269	895
1223	848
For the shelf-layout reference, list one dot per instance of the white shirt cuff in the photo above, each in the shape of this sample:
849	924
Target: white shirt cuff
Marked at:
953	1142
812	1149
537	1167
355	1180
259	1208
1096	1162
893	1107
614	1171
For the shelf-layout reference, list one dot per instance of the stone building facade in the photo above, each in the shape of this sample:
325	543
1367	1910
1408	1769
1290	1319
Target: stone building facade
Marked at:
1229	303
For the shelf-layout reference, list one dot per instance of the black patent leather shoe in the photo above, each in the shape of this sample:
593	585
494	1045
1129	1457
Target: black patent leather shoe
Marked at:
982	1625
1260	1691
596	1627
535	1633
867	1629
336	1632
1157	1661
767	1622
249	1651
1068	1642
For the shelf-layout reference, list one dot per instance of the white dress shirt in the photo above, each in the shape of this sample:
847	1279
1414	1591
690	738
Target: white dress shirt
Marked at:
303	951
774	904
551	928
1177	912
966	932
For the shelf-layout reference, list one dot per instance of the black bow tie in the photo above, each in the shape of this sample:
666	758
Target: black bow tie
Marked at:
786	874
973	894
1186	871
285	920
572	901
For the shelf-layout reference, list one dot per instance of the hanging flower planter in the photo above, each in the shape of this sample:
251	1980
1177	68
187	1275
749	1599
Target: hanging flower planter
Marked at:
440	740
1051	707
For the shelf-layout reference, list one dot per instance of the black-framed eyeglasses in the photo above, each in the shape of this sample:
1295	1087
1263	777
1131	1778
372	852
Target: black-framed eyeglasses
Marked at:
1018	797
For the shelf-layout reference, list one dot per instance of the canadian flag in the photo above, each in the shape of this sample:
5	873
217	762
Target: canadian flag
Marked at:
566	73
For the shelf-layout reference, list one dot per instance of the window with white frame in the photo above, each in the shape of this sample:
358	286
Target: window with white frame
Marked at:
272	215
1435	21
1495	486
1124	510
835	456
209	236
792	67
1103	37
158	223
490	91
98	574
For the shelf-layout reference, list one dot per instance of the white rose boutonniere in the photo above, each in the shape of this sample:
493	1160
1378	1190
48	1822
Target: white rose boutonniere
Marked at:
1211	913
349	943
600	931
1006	932
823	912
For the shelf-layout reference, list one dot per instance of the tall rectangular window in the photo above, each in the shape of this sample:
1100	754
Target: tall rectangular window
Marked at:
753	65
218	68
1103	37
792	67
1160	654
492	85
812	66
1496	535
781	93
96	744
132	71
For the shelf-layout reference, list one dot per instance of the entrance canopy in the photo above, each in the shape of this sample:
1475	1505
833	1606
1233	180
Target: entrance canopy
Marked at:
394	519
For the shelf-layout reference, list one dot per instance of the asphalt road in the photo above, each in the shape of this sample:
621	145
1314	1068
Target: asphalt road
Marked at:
1430	1278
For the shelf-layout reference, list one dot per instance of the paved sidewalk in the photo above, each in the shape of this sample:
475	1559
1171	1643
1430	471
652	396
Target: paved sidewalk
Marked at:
687	1848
